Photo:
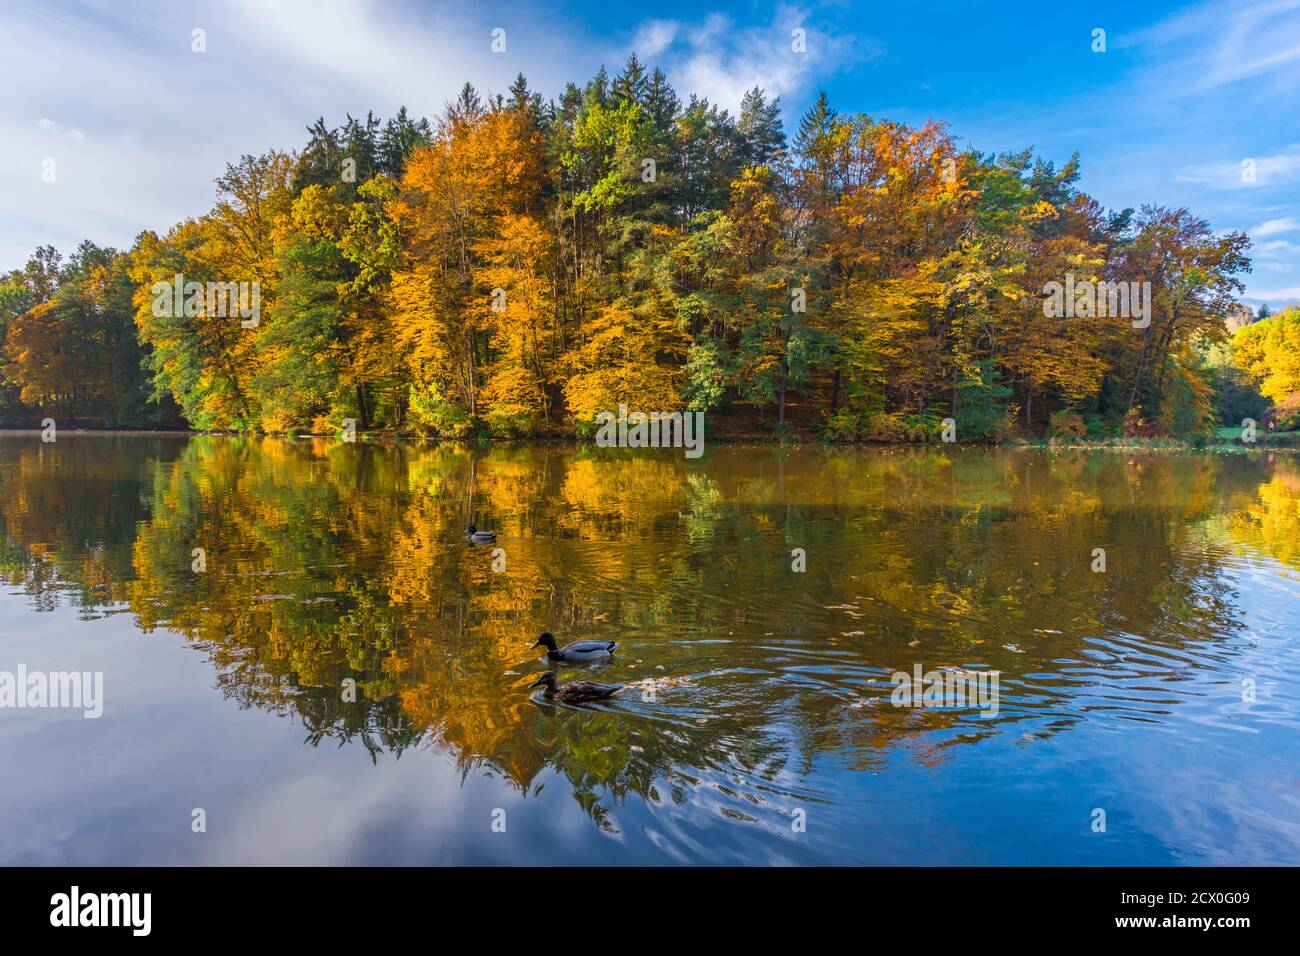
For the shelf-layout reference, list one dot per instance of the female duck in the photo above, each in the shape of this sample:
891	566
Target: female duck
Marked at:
579	652
475	536
576	692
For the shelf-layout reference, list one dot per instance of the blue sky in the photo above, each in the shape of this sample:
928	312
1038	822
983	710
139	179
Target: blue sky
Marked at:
139	125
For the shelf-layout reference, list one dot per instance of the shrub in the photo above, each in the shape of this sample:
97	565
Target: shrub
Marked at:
432	414
517	425
1097	427
845	427
1135	426
1067	424
890	427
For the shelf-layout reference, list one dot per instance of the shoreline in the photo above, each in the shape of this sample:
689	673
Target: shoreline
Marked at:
1286	441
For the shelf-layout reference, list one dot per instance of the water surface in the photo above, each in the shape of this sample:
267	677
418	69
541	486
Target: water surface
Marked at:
770	736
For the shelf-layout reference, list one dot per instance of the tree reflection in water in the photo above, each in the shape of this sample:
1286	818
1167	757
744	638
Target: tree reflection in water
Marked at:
328	562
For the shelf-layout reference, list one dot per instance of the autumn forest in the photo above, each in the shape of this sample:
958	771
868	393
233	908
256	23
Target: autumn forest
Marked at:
517	266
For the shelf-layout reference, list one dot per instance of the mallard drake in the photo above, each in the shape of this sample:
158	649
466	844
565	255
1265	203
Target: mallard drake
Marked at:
475	536
579	652
576	692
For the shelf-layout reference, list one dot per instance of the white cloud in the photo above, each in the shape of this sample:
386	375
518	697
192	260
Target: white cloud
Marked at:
653	37
1223	43
50	126
720	60
1275	170
1274	249
1272	227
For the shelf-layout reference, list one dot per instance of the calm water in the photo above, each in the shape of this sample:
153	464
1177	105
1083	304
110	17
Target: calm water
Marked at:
1120	691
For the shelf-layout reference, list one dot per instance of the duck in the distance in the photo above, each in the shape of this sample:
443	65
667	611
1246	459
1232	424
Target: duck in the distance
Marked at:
475	536
575	692
579	652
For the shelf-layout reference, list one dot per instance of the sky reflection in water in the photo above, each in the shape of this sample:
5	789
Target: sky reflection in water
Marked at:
1119	690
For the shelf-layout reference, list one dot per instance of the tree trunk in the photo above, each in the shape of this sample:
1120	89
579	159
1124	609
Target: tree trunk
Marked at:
363	414
785	377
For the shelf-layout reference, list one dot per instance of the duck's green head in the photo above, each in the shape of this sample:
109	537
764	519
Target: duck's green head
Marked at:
547	639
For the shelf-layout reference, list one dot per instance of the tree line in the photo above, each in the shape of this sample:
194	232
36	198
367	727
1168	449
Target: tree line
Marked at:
520	265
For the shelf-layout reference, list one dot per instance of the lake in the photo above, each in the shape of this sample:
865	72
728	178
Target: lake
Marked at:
337	677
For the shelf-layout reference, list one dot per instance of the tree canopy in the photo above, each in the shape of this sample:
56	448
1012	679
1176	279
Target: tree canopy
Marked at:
519	265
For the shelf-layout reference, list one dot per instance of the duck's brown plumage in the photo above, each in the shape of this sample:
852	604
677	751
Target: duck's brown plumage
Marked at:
575	692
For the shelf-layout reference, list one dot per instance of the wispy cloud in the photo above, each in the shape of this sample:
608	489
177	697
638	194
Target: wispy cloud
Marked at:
1224	43
721	59
1275	249
52	127
1247	172
1272	227
653	37
1280	296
